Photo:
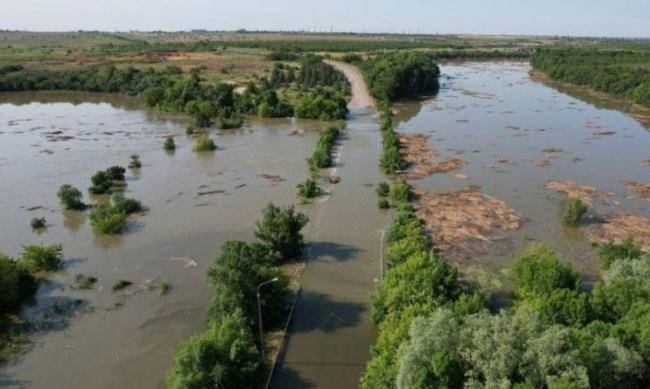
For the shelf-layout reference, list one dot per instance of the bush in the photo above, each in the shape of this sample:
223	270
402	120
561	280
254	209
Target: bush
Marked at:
234	121
104	181
538	273
383	189
135	162
16	284
125	205
204	143
574	209
280	230
121	284
321	158
308	189
37	258
609	253
383	204
106	219
38	223
322	104
169	144
84	282
223	356
70	197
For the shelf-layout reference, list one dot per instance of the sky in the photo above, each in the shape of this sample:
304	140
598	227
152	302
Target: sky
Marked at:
614	18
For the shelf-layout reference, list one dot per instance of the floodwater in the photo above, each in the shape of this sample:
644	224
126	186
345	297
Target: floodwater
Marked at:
487	112
103	339
196	201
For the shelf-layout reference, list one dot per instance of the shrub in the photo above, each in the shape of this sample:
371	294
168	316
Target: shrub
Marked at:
609	253
308	189
223	356
70	197
120	284
125	205
322	104
85	282
383	204
16	284
234	121
104	181
204	143
135	162
538	273
322	156
116	173
38	223
280	230
574	208
400	191
169	144
106	219
37	258
383	189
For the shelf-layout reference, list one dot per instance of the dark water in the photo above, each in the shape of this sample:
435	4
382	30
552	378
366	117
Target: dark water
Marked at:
487	110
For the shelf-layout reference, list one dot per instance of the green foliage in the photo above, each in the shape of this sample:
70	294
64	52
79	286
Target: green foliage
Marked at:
574	208
234	121
223	356
400	191
383	189
37	258
618	72
235	275
322	156
169	144
16	284
70	197
204	143
383	204
84	282
125	205
106	219
135	162
270	106
402	74
323	104
120	284
280	230
38	223
609	253
351	58
538	273
308	189
391	159
316	73
104	181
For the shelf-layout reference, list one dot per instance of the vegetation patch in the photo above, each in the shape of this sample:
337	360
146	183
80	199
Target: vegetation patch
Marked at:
204	143
70	197
120	284
574	209
38	223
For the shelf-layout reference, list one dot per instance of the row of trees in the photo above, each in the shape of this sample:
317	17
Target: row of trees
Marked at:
623	73
436	331
321	158
391	160
227	353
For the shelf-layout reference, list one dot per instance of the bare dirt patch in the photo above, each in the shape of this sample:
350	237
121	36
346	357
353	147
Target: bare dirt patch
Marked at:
643	190
620	226
421	157
465	218
272	177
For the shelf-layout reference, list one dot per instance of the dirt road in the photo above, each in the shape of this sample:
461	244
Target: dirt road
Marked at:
360	95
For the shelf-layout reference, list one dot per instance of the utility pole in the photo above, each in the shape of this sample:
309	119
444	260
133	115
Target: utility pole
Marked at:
259	315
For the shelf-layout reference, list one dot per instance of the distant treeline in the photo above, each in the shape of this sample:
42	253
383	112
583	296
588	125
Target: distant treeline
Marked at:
622	73
297	46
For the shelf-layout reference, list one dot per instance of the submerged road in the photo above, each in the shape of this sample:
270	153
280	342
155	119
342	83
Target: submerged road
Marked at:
329	338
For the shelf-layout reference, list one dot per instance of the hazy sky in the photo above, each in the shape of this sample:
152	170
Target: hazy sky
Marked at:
621	18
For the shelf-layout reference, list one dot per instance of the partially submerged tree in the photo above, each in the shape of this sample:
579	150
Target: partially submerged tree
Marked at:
280	230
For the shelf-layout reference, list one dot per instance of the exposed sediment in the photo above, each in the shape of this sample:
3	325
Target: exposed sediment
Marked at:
620	226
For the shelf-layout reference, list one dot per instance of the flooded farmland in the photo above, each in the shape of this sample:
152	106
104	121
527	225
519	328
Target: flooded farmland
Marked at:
513	134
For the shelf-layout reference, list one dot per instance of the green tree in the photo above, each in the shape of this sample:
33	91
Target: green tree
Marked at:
537	272
280	229
16	284
223	356
37	258
70	197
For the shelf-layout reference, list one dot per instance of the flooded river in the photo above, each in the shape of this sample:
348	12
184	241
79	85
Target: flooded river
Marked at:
517	134
490	114
105	339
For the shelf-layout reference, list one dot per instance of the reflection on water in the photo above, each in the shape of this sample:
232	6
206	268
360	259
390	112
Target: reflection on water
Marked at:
195	201
516	135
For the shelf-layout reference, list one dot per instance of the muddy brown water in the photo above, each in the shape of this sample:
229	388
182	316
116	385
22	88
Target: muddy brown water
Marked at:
103	339
487	111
